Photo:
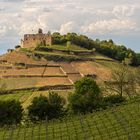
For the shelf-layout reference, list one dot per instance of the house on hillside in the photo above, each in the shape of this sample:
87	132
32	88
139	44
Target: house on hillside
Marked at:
32	40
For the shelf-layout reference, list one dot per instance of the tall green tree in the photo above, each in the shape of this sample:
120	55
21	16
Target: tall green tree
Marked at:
87	96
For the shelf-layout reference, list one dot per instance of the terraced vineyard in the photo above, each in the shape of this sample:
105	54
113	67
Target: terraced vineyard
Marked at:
21	70
116	123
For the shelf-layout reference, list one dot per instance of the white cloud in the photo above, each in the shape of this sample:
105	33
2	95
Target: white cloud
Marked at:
83	16
112	26
2	30
69	27
124	10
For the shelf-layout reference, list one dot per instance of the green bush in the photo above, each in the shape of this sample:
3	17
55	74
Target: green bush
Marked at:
86	98
43	48
50	107
10	112
113	99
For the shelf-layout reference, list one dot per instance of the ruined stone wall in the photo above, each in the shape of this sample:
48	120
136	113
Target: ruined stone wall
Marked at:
32	40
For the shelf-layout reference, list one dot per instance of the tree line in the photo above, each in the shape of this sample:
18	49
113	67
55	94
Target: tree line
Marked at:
105	47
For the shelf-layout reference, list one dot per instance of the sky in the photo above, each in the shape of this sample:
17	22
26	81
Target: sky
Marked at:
103	19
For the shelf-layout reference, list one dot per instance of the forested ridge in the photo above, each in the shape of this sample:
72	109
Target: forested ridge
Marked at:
105	47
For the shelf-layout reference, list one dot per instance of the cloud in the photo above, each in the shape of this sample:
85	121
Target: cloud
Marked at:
2	9
2	29
112	26
124	10
70	26
12	0
91	17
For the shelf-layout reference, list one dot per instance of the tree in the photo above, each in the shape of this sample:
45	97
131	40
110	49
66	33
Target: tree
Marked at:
50	107
122	82
86	97
10	112
56	105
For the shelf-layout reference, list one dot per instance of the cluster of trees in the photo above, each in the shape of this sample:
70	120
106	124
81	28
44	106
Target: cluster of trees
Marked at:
108	48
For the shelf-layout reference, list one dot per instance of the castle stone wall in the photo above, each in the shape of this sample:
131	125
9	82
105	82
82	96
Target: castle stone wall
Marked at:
32	40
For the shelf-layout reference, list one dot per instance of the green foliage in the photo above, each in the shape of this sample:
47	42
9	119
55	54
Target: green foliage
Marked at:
57	38
108	48
86	97
43	48
42	107
117	123
57	57
112	100
10	112
68	44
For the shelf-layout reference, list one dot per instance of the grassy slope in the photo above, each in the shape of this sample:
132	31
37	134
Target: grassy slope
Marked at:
117	123
73	48
25	97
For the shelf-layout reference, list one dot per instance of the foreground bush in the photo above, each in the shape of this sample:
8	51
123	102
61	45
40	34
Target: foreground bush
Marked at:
10	112
50	107
86	98
113	99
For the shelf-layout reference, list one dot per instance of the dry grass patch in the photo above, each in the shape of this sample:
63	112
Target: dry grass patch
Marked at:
18	57
21	83
38	71
88	67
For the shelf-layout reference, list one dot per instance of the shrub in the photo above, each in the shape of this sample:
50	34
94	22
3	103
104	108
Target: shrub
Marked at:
17	46
43	48
50	107
113	99
86	98
10	112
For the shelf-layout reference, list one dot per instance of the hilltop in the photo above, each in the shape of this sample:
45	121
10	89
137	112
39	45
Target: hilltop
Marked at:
54	67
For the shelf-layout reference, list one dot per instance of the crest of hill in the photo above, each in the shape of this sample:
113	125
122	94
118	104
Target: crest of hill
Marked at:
86	45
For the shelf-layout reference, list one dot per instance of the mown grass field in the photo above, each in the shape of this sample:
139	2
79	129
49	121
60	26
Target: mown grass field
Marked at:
116	123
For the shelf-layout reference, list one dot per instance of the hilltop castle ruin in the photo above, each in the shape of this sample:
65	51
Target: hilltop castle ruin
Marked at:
32	40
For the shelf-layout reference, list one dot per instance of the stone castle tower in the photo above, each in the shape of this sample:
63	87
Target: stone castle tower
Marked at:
32	40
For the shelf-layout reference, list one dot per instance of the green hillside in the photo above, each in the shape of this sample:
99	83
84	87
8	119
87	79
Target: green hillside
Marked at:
25	97
62	52
116	123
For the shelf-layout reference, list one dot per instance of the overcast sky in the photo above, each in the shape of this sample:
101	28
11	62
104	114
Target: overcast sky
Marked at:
103	19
